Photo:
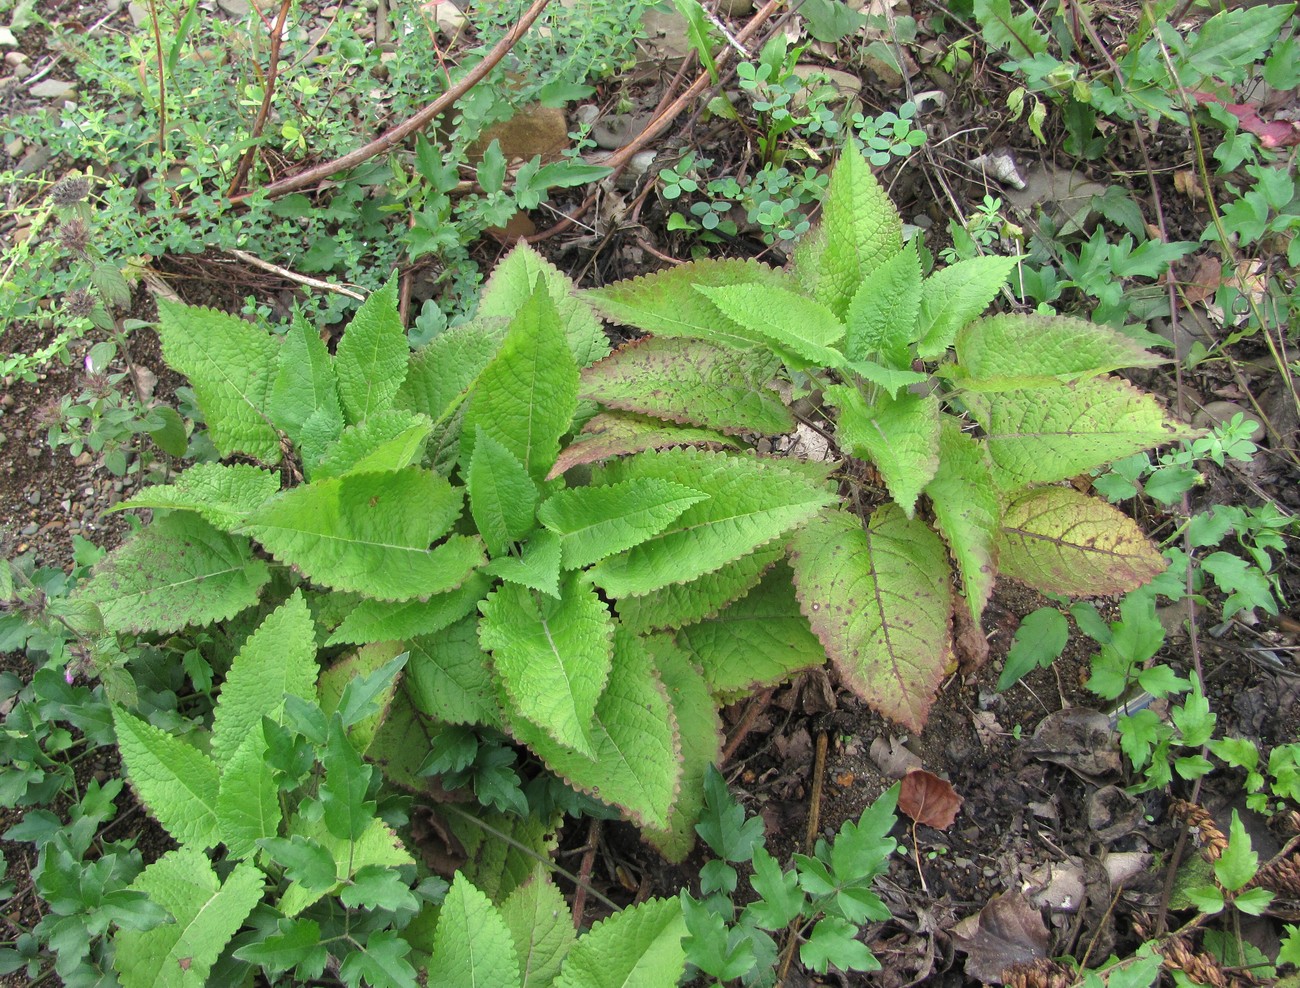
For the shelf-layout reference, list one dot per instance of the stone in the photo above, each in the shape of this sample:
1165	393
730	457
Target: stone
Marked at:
735	8
534	129
666	39
1064	195
53	89
235	8
34	498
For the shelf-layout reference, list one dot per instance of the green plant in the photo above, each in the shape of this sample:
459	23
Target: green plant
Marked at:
822	901
984	229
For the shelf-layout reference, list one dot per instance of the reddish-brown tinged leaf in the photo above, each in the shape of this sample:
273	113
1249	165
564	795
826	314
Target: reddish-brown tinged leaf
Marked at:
616	433
928	799
1007	931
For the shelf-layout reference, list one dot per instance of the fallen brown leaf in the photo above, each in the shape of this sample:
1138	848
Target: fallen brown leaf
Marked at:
1007	931
928	799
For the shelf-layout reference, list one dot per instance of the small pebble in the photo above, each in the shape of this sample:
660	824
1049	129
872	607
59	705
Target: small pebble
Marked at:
34	498
31	529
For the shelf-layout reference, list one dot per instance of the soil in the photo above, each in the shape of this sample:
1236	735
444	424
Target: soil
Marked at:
1044	813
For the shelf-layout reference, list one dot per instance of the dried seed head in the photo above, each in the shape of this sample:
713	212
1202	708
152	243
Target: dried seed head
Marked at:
70	190
79	304
99	385
74	236
49	413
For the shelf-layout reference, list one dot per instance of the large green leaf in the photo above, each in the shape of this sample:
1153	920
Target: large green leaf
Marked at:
388	440
502	497
751	503
792	322
173	779
179	571
860	230
666	303
1010	351
618	433
1060	541
700	729
402	743
230	364
207	913
966	511
371	359
542	928
526	397
513	282
224	494
881	318
383	620
641	947
1018	34
552	656
277	660
472	946
899	435
371	532
953	296
691	382
637	765
537	565
1041	435
760	640
595	522
684	603
880	600
304	380
248	804
448	676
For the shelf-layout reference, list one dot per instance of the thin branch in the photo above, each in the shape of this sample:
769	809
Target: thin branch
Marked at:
268	92
301	279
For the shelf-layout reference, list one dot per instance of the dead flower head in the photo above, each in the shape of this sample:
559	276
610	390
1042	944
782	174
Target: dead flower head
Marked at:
70	190
79	304
74	236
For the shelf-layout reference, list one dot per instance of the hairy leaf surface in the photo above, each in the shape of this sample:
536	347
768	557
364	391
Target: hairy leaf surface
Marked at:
388	440
526	397
440	378
371	532
685	603
179	571
552	656
637	763
899	435
791	321
642	945
691	382
882	315
595	522
448	676
751	503
880	601
537	565
953	296
224	494
666	303
1060	541
1047	434
759	640
616	433
207	914
541	926
1027	350
472	946
176	781
370	360
277	660
502	497
967	510
230	364
304	379
380	620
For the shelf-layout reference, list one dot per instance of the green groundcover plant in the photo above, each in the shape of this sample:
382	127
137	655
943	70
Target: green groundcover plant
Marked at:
516	530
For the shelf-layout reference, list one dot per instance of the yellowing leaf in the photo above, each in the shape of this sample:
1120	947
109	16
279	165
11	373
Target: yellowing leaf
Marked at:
966	511
1024	349
1060	541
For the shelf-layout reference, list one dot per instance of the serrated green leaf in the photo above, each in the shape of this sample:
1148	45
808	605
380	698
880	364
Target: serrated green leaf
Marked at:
371	532
794	323
381	963
502	497
542	928
640	947
1232	39
472	946
552	656
304	861
880	602
860	230
881	317
343	792
385	441
899	435
666	303
377	845
700	730
780	898
526	397
248	807
370	361
229	363
175	781
179	571
207	913
595	522
517	277
373	887
319	434
638	755
441	376
759	640
1018	34
537	566
833	942
346	678
1057	540
953	296
690	382
224	494
6	581
680	604
448	676
967	512
1239	861
617	433
495	866
1028	350
304	380
1039	641
891	379
1042	435
295	944
377	620
751	503
278	659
